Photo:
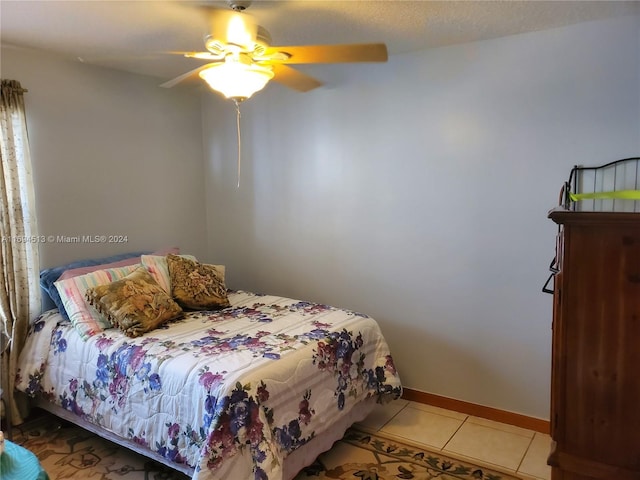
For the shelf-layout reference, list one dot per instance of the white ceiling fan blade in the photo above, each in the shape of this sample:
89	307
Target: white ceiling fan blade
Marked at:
294	79
185	76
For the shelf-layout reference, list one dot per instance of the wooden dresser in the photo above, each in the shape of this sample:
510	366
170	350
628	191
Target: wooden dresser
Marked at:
595	380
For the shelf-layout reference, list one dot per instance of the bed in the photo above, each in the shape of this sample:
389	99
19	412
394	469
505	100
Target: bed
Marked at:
254	390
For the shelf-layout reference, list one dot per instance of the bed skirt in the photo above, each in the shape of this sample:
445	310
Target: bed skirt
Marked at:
296	461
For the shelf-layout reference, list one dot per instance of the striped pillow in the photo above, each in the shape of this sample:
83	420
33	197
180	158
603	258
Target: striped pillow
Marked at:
74	272
86	320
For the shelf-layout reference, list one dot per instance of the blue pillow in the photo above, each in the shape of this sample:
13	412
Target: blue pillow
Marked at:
50	275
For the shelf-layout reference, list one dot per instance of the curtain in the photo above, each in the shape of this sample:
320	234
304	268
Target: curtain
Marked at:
19	282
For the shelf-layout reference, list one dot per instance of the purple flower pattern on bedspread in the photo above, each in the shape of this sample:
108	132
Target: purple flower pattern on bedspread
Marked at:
214	389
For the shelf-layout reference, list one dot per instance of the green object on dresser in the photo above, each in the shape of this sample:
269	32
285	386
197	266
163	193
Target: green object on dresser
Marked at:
18	463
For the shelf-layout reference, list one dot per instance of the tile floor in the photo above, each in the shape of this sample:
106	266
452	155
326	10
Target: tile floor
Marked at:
514	449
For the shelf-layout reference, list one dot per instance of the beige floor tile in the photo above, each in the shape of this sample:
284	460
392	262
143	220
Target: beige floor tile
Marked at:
382	414
501	426
534	462
438	410
489	445
423	427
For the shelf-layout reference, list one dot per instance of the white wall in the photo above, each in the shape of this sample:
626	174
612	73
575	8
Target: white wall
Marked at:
112	154
417	192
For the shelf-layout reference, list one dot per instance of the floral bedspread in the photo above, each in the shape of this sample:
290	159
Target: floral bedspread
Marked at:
235	390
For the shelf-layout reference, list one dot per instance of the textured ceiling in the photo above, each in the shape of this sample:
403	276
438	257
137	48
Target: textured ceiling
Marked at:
135	36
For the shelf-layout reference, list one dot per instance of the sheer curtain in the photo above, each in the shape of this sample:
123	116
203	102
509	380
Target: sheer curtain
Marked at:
19	282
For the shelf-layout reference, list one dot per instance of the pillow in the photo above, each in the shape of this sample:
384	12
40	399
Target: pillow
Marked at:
136	304
49	276
122	263
86	321
196	285
159	270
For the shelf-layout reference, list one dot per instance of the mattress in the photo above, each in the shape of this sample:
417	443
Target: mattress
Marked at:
231	393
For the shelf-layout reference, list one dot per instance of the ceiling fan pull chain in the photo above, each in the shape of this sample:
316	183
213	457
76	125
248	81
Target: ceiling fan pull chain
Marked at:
239	139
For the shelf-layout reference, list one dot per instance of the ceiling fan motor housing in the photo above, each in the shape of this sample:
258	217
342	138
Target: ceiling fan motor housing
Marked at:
239	5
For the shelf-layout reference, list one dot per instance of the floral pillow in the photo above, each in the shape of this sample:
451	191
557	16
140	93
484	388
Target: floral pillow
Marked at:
136	304
195	285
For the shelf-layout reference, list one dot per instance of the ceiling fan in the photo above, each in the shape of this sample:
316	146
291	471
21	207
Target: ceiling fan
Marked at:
243	61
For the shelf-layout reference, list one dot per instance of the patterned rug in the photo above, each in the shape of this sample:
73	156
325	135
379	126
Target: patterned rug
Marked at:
69	452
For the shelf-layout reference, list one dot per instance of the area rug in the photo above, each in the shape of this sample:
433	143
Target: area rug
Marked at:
362	455
69	452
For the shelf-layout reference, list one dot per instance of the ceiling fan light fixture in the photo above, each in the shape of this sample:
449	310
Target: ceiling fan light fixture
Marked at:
237	80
